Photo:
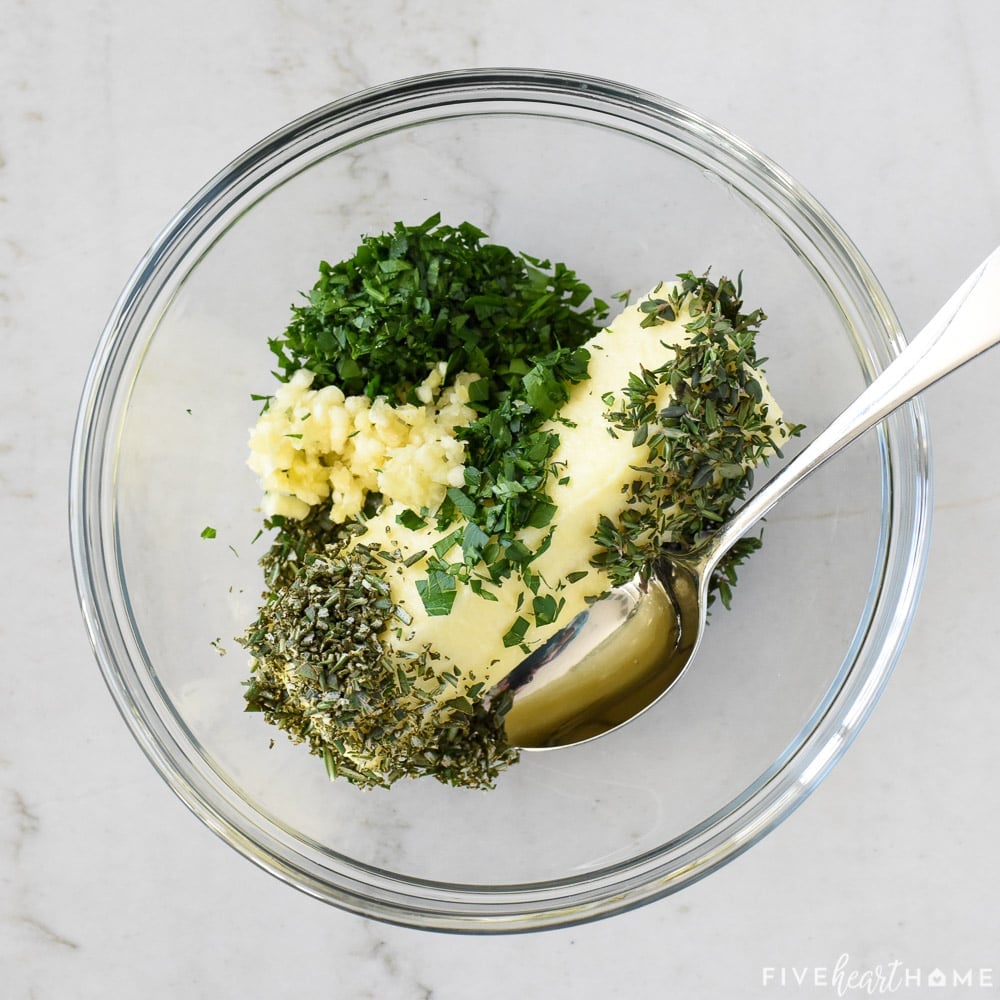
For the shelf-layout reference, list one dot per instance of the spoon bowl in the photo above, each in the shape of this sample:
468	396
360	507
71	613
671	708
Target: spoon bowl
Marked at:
624	653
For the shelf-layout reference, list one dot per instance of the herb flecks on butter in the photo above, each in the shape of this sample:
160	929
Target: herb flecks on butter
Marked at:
705	420
459	459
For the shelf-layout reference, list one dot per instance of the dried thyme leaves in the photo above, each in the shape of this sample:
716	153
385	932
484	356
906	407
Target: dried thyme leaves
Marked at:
323	672
702	446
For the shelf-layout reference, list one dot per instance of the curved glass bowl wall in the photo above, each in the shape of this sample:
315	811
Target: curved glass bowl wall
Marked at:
627	189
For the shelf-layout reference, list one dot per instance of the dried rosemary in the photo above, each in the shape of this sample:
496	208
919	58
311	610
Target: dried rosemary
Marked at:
324	672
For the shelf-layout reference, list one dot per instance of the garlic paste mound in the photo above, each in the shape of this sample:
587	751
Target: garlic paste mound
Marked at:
313	446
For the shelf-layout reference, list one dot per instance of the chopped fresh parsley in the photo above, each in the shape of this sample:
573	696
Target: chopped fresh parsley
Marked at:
377	322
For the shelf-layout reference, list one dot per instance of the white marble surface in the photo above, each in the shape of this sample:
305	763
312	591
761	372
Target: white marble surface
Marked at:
113	114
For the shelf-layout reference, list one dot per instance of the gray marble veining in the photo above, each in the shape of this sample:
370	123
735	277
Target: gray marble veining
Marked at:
113	114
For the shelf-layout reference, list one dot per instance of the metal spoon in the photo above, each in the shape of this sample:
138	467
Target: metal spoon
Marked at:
622	654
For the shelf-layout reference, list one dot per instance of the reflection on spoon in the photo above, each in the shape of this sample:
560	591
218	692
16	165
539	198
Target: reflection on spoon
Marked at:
622	654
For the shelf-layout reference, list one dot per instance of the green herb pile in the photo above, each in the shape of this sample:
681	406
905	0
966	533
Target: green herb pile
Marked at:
325	677
702	447
378	322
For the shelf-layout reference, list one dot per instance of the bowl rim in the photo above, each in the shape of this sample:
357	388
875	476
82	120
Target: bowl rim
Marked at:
415	902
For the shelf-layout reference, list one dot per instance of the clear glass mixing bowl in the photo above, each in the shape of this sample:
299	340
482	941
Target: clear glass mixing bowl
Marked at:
627	189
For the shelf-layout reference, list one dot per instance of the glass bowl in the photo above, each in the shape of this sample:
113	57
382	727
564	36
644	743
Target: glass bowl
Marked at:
627	189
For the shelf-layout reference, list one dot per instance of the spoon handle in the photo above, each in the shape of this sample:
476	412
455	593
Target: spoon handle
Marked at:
967	325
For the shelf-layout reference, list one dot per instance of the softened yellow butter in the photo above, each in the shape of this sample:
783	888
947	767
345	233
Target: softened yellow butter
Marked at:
592	467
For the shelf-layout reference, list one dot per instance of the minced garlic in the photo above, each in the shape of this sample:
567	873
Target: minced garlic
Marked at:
318	445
